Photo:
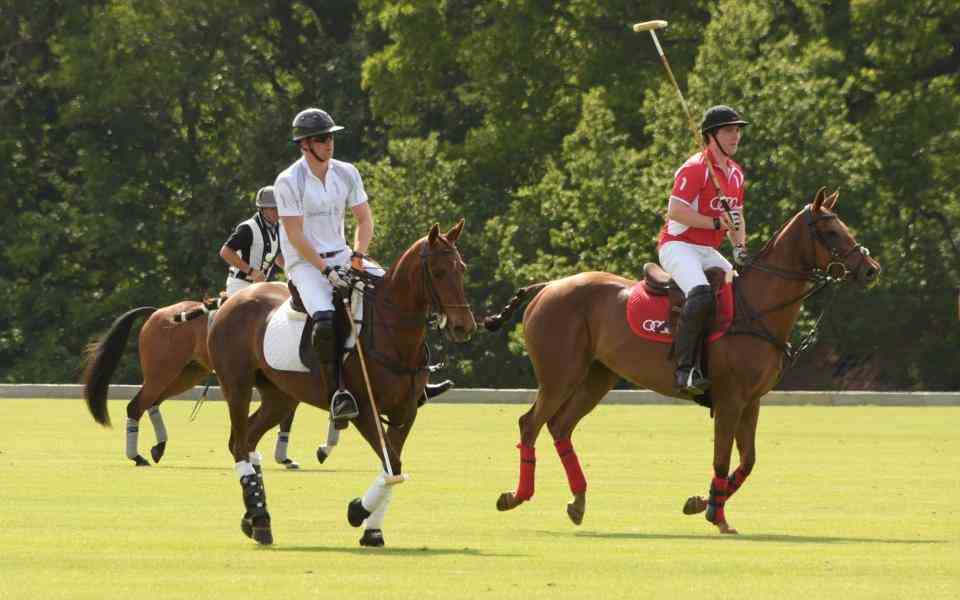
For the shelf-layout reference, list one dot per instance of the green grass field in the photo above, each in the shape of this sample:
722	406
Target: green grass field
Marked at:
844	503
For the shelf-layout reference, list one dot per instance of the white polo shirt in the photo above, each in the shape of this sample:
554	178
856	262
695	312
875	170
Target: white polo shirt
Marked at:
322	205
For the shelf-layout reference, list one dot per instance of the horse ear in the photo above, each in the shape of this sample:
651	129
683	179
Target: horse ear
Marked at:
454	232
434	234
831	201
818	199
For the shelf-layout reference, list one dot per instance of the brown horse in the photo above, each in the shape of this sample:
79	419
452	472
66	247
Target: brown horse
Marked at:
578	339
427	279
173	359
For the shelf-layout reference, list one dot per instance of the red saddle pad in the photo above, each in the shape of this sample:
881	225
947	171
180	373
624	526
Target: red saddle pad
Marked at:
648	315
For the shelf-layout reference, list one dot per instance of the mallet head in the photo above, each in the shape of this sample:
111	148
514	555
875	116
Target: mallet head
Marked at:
649	25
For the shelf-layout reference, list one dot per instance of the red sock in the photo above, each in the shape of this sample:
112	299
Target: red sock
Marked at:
736	480
571	464
528	465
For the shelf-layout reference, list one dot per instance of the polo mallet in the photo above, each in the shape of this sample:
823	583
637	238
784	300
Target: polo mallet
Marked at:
390	479
652	26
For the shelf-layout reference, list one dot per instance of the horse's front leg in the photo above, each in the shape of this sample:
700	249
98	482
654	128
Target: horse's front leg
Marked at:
726	421
746	447
370	509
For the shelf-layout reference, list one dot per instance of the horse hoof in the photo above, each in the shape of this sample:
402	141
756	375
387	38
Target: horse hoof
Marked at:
724	527
694	505
576	508
157	451
246	526
321	455
290	464
356	513
263	535
508	501
140	461
372	538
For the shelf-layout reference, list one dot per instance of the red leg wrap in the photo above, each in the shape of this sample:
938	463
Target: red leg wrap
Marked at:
736	480
528	465
719	492
571	464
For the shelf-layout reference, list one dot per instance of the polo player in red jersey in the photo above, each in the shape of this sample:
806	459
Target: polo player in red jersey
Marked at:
696	224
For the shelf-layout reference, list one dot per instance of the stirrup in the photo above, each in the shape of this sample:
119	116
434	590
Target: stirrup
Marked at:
692	382
343	406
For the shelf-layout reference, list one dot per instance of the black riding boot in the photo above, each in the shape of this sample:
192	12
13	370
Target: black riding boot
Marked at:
697	309
343	406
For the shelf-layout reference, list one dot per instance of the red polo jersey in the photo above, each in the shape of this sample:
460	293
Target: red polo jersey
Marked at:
692	184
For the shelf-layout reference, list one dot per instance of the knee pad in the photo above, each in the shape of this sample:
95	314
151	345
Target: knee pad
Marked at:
700	301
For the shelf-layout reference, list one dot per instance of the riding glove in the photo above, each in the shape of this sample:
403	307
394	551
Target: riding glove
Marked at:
334	277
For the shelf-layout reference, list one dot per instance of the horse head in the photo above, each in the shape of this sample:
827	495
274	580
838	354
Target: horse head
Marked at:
442	270
833	247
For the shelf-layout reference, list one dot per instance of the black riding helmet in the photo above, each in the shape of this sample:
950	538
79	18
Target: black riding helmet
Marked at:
719	116
311	122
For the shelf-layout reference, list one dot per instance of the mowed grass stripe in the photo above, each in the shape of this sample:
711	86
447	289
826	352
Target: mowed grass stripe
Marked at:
851	502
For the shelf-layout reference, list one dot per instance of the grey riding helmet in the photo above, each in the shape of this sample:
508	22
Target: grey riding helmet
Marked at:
312	122
265	197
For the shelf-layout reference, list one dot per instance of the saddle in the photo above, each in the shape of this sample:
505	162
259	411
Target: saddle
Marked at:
658	282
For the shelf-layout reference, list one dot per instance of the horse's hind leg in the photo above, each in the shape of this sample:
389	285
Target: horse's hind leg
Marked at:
191	375
588	394
283	441
255	522
275	406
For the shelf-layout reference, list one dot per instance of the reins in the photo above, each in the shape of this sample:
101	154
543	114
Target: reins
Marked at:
820	278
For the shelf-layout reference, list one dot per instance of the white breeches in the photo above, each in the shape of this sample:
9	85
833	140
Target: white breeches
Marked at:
234	285
686	262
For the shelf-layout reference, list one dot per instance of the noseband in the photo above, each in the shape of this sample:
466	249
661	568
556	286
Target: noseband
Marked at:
836	270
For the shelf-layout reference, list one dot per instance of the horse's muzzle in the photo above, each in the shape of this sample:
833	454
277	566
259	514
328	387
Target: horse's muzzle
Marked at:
869	272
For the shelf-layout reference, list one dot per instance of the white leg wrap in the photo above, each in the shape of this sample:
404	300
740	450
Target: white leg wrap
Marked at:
157	419
256	458
375	520
280	453
375	493
133	432
243	468
333	437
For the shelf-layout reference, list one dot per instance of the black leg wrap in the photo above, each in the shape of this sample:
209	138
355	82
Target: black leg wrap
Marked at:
356	513
254	496
372	538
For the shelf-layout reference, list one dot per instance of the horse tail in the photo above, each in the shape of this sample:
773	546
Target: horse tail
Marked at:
100	359
494	322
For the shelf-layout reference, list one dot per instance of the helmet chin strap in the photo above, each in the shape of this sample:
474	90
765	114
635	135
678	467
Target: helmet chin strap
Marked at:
719	145
310	148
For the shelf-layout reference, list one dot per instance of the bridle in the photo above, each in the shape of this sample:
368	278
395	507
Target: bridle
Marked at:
835	272
437	308
413	320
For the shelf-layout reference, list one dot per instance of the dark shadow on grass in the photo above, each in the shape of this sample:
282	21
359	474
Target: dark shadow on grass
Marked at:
746	537
269	469
387	551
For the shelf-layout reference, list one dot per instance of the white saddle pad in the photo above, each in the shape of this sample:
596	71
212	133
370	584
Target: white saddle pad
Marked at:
281	342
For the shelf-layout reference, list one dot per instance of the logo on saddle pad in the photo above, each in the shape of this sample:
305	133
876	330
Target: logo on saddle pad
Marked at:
655	326
648	315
